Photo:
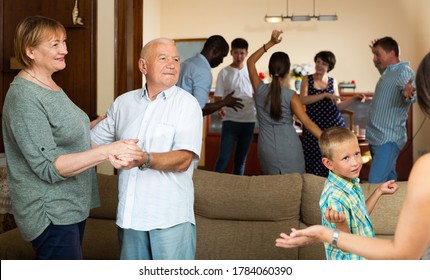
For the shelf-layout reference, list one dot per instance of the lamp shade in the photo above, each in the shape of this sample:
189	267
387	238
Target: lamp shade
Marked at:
273	19
300	18
327	17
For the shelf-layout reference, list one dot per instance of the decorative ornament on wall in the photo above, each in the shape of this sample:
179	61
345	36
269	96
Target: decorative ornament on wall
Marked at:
75	15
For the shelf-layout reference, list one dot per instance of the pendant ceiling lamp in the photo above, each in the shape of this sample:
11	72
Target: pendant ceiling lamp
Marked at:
293	17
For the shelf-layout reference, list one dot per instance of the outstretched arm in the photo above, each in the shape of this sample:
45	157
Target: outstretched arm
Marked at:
300	113
228	101
348	101
388	187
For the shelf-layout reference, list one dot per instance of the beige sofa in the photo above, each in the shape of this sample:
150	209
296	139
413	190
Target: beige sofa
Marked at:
237	217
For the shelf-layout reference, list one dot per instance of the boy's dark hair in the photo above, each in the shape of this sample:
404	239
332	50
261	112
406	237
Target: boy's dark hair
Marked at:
387	44
239	43
328	57
333	136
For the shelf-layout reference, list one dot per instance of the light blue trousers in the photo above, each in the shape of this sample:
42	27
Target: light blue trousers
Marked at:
174	243
383	165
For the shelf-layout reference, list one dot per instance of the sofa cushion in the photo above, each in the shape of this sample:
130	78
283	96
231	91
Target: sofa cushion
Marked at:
311	193
252	198
100	240
313	251
13	247
108	189
242	240
387	210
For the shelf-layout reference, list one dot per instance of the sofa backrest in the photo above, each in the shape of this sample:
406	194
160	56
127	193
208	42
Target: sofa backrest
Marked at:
239	217
311	193
387	210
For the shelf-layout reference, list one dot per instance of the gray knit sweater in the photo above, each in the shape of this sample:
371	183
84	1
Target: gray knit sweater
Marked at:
38	126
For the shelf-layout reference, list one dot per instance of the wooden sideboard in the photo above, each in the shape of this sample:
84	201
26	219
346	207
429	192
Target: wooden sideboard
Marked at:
212	141
79	77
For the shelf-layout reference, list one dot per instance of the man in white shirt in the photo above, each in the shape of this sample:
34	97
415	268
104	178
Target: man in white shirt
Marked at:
237	125
156	194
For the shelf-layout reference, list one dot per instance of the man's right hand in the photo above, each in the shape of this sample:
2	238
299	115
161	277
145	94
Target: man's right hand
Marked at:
232	102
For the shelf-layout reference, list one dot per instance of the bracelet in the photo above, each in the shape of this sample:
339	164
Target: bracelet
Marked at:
335	238
147	163
264	47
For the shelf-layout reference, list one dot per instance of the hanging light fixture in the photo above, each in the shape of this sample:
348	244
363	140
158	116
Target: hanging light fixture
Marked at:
274	19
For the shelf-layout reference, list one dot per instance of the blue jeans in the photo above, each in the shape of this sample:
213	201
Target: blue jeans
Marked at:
60	242
174	243
383	166
239	134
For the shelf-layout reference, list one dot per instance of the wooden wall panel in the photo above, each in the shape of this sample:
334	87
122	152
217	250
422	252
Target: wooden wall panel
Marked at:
79	78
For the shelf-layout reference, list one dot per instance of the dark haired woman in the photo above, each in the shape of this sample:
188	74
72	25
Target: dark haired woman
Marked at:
279	148
320	94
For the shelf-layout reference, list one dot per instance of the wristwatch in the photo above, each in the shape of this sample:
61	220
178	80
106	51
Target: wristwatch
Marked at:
335	237
147	163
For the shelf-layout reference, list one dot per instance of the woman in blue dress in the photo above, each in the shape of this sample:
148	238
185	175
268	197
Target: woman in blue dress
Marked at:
320	94
279	147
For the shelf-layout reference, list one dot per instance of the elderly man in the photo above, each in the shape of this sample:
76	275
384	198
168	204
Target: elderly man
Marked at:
156	194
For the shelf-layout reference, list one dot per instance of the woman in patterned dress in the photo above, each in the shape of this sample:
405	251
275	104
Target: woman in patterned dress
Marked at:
320	94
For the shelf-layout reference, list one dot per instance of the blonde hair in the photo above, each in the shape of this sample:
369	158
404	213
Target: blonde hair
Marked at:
31	32
332	137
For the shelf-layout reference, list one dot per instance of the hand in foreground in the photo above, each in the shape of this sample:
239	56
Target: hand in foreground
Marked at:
333	216
301	237
409	90
232	102
389	187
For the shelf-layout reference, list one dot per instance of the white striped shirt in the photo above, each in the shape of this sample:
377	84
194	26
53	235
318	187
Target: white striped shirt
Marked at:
388	111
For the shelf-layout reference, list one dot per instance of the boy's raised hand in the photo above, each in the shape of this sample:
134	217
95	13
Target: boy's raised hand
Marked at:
388	187
333	216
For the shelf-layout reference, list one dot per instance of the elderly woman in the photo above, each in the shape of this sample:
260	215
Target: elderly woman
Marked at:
50	159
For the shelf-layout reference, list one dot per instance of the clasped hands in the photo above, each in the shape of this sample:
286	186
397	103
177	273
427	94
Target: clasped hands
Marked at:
126	154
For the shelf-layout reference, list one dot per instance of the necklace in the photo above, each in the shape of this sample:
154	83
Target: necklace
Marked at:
34	77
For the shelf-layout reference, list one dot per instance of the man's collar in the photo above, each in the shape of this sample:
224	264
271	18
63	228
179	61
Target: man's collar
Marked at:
164	94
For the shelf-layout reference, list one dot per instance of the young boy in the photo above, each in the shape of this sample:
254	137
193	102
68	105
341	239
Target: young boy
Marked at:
342	202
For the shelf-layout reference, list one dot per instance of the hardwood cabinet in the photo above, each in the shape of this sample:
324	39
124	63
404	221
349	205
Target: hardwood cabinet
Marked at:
213	136
79	78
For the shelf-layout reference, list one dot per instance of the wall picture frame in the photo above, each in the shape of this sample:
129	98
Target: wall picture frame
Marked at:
189	47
